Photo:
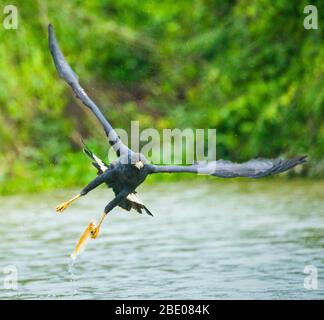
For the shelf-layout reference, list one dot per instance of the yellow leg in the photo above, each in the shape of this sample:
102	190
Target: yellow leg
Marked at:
95	231
61	207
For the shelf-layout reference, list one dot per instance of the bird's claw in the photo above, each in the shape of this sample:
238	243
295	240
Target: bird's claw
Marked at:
94	232
61	207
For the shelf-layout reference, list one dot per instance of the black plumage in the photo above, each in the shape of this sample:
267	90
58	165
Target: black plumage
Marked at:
131	169
132	201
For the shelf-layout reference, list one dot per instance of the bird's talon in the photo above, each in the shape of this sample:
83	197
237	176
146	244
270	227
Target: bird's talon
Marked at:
60	208
94	233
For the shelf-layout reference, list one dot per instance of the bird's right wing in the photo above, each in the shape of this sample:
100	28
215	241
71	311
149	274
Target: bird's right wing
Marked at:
255	168
66	73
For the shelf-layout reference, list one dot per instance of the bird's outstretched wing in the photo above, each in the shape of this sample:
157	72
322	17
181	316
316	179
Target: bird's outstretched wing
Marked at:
255	168
66	73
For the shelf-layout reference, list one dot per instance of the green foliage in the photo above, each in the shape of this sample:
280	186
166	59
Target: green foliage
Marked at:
247	68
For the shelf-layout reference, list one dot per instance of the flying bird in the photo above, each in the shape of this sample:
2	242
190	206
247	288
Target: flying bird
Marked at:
131	169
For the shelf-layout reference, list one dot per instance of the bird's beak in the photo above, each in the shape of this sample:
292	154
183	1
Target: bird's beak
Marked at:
139	165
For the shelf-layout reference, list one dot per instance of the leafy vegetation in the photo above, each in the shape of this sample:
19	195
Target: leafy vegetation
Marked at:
247	68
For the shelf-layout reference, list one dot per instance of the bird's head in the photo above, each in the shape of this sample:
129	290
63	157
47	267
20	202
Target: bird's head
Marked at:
138	161
139	165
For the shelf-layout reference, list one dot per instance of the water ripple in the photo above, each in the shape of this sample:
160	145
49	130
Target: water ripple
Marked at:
210	240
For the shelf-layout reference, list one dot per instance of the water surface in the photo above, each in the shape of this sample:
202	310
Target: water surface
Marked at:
208	240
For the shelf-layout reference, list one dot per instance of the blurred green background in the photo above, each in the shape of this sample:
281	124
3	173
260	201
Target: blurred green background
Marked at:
247	68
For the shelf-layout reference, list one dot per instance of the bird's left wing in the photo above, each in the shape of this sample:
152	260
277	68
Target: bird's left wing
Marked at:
255	168
100	165
66	73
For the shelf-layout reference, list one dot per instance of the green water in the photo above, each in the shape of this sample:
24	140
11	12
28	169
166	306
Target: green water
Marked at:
208	240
